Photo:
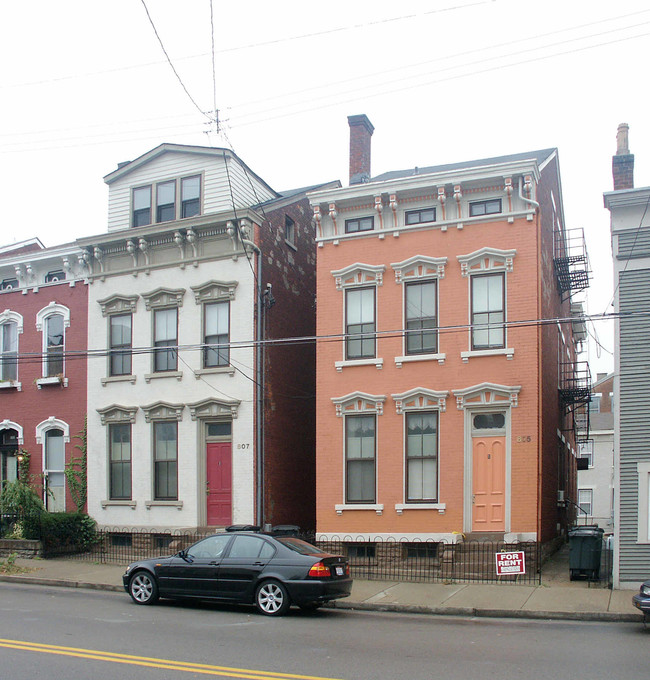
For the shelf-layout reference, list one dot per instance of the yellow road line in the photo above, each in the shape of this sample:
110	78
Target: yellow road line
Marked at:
153	662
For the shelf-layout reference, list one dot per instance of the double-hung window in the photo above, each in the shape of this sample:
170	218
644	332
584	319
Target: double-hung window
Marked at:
54	470
421	318
585	502
190	196
360	458
166	201
165	339
9	351
54	345
216	324
142	206
422	457
488	311
120	344
165	461
360	323
120	461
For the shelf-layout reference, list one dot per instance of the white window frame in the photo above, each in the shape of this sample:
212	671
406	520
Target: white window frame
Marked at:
589	493
9	317
42	429
41	326
586	450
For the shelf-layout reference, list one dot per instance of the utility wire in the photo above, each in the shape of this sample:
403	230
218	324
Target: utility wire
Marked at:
169	61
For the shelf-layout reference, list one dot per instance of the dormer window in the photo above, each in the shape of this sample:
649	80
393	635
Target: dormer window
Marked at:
490	207
359	224
190	196
54	277
166	201
142	206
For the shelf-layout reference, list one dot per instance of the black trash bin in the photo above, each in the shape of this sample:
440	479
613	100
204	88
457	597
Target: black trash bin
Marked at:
585	549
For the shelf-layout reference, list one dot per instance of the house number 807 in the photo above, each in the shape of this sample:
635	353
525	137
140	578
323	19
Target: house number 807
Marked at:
243	446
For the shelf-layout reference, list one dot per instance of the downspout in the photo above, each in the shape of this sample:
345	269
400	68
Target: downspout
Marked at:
233	232
528	187
259	388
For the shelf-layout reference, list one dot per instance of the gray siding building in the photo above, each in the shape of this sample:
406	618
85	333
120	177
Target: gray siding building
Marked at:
630	229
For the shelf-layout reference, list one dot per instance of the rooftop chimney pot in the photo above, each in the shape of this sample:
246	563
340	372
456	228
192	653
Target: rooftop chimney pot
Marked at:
623	160
361	130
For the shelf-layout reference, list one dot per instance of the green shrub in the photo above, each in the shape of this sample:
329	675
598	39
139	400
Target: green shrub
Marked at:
73	531
20	501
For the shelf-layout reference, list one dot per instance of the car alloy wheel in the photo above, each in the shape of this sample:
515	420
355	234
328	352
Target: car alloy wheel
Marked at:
272	598
143	588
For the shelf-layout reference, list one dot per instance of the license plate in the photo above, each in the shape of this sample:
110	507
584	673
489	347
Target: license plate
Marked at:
339	571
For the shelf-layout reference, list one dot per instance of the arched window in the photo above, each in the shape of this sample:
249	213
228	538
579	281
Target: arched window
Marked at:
52	321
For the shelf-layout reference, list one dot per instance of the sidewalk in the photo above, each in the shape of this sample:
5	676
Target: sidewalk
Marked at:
556	598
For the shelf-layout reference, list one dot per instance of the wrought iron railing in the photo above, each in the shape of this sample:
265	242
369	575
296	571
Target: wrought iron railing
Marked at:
390	559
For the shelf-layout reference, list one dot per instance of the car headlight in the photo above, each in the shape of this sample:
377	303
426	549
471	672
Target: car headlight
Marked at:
645	590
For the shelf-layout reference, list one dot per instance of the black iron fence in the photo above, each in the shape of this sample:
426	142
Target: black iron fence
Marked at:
376	559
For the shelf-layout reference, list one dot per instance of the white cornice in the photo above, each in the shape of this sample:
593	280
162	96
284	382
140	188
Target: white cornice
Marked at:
471	174
626	197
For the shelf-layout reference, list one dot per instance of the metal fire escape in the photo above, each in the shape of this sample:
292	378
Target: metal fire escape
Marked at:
571	262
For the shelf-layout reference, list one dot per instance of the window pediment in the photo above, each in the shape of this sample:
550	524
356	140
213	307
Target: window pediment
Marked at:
419	267
118	304
359	402
214	291
486	260
162	410
117	414
52	308
52	423
7	424
9	316
487	394
420	399
359	274
164	297
214	408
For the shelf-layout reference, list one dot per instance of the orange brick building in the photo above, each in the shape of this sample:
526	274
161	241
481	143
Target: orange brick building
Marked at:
446	366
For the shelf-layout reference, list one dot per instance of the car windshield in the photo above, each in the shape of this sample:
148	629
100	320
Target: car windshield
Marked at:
301	547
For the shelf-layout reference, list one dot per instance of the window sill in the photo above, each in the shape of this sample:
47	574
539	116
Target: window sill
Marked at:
440	507
11	384
148	377
291	244
164	504
508	352
378	508
122	504
440	358
377	363
214	371
118	379
52	380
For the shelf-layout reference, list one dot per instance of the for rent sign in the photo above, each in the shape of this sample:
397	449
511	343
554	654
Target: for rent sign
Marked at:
510	563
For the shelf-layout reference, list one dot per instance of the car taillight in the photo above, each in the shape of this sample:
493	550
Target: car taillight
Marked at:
319	570
347	569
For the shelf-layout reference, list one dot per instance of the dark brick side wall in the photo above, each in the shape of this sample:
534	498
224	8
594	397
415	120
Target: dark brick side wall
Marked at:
553	416
290	404
623	171
31	406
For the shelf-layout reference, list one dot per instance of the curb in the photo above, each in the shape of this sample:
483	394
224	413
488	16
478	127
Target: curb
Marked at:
467	612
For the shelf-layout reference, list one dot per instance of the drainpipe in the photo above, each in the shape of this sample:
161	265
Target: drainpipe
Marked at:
529	190
259	382
259	388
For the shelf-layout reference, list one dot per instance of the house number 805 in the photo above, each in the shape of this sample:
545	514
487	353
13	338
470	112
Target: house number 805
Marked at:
524	438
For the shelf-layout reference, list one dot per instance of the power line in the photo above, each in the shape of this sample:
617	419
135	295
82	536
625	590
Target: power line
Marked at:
169	61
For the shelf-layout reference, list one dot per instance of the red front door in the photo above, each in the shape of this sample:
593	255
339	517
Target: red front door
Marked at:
219	484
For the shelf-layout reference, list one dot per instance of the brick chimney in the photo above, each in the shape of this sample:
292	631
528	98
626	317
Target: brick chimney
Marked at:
623	161
361	130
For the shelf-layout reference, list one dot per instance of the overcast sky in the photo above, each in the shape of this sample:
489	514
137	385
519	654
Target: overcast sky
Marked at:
86	85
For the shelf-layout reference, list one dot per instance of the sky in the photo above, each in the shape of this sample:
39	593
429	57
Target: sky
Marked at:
85	85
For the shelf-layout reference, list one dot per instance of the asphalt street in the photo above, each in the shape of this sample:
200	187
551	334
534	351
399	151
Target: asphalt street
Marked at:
75	633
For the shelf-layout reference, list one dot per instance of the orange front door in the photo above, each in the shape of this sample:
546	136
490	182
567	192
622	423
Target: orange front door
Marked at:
489	484
219	484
